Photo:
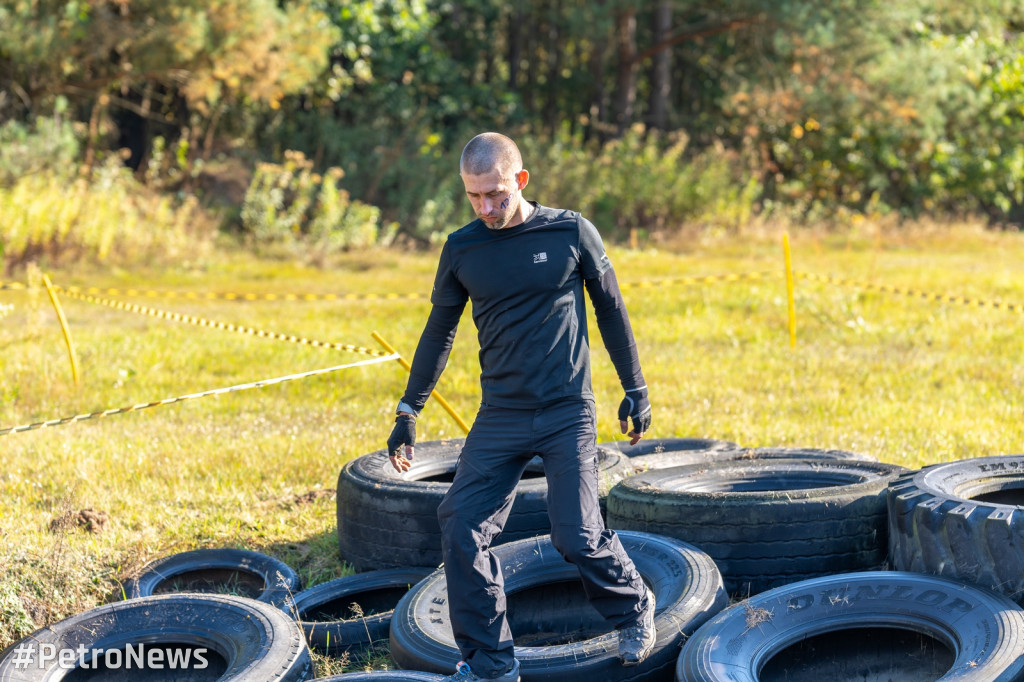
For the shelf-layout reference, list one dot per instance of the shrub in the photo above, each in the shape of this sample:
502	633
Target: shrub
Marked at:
49	145
289	205
643	180
108	217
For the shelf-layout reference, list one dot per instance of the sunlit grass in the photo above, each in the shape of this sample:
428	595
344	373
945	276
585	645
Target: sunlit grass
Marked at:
906	380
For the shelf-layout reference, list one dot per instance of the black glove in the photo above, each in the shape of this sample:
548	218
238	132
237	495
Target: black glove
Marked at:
403	434
637	407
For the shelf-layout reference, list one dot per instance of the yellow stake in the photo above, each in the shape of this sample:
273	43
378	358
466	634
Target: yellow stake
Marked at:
64	327
789	290
437	396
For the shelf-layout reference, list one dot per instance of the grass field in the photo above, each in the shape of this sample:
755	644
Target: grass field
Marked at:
909	380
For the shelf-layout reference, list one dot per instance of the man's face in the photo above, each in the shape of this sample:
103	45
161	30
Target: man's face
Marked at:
495	199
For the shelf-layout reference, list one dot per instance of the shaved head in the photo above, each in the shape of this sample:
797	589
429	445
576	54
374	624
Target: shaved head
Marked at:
489	152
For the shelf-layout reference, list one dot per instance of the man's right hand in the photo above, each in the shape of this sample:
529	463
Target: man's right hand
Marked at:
637	407
401	442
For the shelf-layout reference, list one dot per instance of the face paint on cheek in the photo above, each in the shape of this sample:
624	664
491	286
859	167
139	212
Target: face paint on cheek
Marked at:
506	202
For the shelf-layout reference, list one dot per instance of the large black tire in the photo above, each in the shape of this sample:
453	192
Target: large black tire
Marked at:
389	520
963	520
673	452
223	637
558	634
765	522
386	676
876	625
250	574
351	614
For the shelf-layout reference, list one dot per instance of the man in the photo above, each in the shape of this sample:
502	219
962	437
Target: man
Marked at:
524	266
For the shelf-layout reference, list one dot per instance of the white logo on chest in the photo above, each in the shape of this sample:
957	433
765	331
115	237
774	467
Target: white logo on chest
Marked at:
541	257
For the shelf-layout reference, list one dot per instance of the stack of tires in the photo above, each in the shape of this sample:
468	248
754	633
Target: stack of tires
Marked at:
215	614
792	564
802	541
950	609
171	627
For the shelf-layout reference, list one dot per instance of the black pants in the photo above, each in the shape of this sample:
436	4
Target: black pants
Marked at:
497	450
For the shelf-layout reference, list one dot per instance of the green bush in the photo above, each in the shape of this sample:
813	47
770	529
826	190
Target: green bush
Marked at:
931	126
644	180
49	145
289	205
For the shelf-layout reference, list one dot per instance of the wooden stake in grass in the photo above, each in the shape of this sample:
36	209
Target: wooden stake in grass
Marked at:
64	327
789	290
437	396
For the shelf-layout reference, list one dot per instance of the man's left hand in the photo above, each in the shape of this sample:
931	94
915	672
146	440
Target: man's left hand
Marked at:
637	407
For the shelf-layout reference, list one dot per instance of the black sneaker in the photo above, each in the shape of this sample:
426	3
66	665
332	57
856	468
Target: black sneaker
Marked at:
636	642
463	673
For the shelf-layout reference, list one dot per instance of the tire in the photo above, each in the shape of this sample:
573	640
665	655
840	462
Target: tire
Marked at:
386	676
875	625
224	637
324	612
962	520
655	446
251	574
663	457
389	520
558	635
765	522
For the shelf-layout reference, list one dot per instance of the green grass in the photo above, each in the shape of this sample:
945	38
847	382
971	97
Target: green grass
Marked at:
909	381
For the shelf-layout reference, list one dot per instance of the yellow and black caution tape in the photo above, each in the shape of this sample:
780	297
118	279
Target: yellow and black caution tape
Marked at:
232	296
917	293
707	279
251	296
190	319
191	396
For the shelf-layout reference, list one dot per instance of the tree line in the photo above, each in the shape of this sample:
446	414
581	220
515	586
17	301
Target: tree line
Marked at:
815	110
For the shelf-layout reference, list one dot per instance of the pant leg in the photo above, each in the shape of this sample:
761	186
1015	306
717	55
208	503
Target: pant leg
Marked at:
567	440
472	513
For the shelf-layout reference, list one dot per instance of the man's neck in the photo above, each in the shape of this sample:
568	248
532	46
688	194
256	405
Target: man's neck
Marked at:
523	213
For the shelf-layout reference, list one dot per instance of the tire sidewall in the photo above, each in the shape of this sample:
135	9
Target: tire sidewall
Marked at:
686	584
279	579
256	639
982	628
349	635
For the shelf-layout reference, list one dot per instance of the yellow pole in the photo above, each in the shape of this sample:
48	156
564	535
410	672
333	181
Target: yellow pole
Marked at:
789	289
437	396
64	327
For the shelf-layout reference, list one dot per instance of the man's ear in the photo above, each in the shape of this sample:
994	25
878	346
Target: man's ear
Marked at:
522	179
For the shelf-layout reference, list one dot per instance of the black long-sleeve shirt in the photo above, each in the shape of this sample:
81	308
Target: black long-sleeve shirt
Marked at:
526	285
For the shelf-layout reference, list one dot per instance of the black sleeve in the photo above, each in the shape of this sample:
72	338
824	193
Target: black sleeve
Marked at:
613	322
432	353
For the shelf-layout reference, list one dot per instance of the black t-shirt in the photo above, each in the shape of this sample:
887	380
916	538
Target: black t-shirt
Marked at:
526	286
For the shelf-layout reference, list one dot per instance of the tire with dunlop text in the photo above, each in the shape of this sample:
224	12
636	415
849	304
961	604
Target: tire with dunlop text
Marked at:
558	635
389	520
250	574
963	520
765	522
184	637
873	625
